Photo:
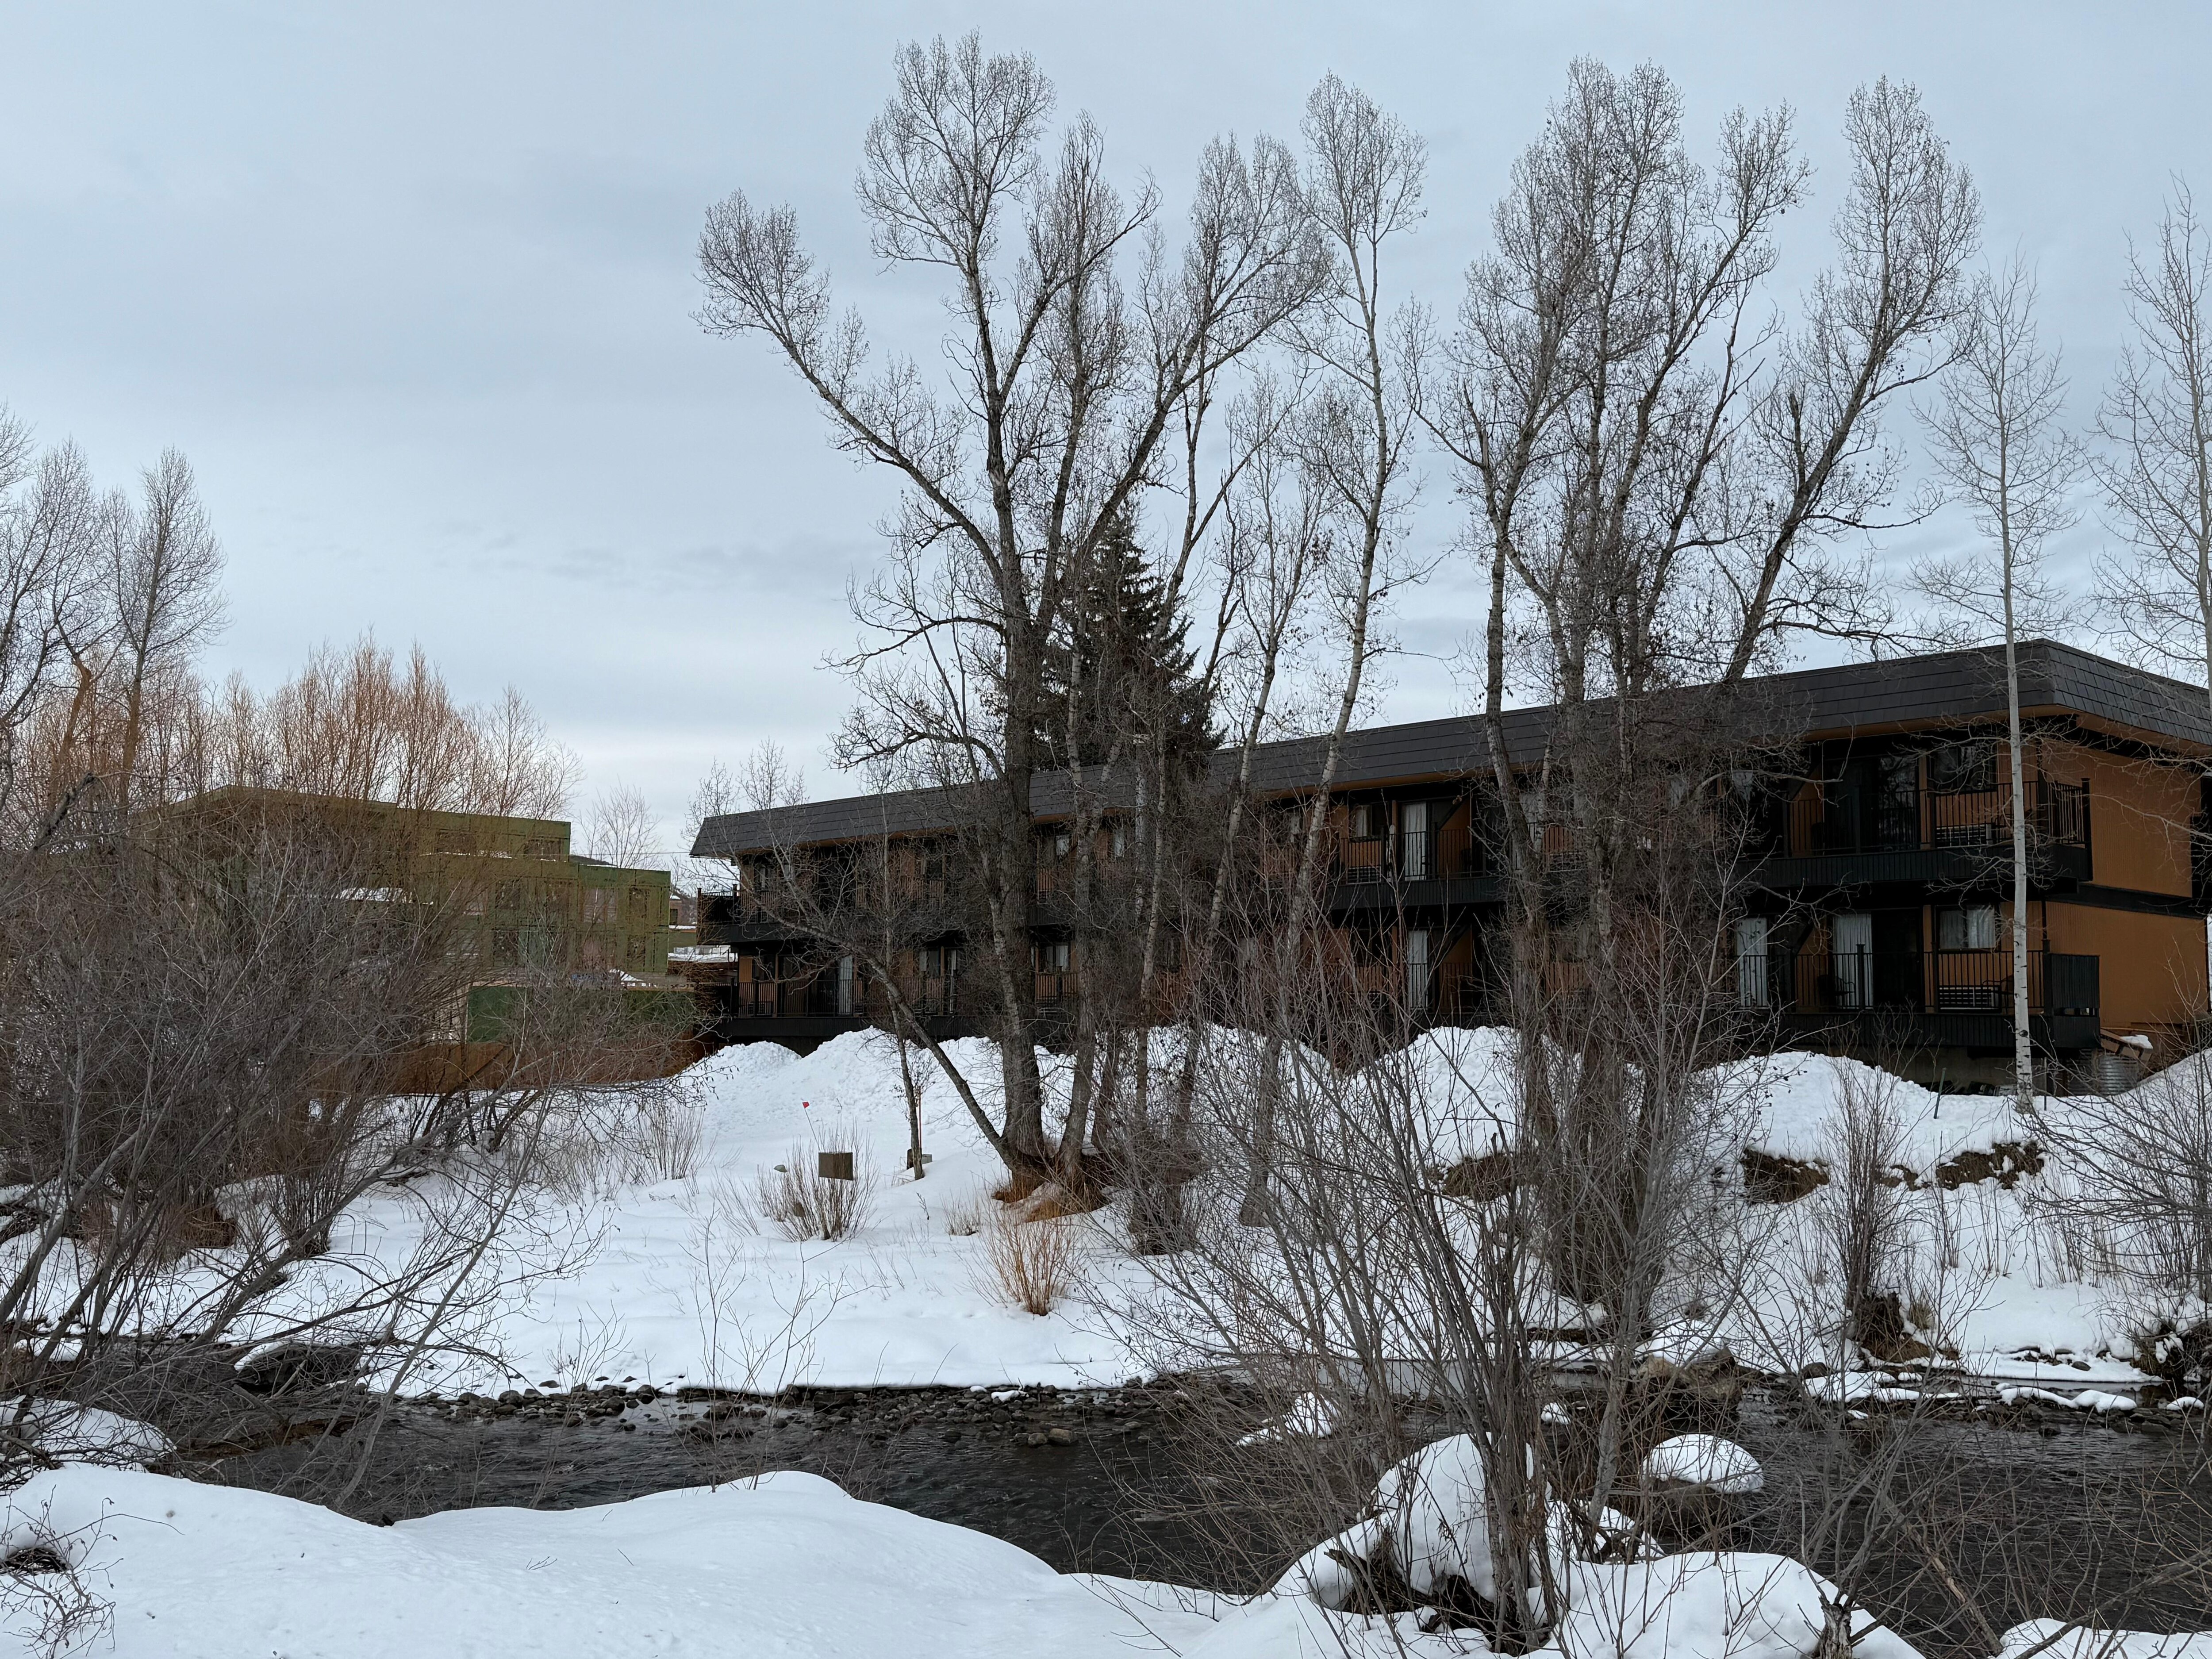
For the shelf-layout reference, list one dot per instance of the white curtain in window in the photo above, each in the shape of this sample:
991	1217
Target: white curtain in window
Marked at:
1750	989
1413	836
1417	967
1854	960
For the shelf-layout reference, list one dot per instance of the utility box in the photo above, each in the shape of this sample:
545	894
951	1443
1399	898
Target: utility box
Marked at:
834	1166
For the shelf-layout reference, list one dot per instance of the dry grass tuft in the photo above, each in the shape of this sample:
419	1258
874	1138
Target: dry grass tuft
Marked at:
1034	1265
964	1217
1052	1202
801	1204
1018	1186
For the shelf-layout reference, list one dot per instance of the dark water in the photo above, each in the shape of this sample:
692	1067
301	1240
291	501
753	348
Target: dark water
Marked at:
2048	1520
1101	1501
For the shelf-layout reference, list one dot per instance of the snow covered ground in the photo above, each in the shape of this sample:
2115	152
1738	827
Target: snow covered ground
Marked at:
787	1568
682	1283
102	1560
677	1281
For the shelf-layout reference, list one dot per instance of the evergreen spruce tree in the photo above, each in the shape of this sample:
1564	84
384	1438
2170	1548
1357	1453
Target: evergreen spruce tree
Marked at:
1120	677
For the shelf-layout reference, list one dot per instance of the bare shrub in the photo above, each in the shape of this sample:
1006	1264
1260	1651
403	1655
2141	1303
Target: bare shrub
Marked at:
801	1203
45	1600
1862	1219
1034	1265
2141	1173
964	1219
670	1137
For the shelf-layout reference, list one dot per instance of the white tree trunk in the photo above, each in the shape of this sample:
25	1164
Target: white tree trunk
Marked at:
2023	1056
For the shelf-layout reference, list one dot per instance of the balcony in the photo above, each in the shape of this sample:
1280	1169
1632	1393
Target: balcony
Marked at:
1960	998
823	1003
1842	833
1455	854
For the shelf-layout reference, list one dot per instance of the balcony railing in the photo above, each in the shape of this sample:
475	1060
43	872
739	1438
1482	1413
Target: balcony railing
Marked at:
1455	851
1836	820
824	997
1976	982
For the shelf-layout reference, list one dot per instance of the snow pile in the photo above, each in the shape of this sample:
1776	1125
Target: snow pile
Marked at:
790	1568
1705	1460
1429	1523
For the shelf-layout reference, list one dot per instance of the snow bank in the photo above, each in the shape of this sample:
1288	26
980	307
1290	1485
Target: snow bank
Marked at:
790	1567
679	1286
71	1433
1429	1520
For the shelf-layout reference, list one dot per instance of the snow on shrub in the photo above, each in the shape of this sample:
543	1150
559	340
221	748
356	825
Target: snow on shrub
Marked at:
1705	1460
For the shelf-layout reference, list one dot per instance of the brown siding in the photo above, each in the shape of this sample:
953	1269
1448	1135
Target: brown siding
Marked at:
2150	970
2139	813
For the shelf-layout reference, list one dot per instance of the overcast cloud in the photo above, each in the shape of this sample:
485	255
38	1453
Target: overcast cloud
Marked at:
412	284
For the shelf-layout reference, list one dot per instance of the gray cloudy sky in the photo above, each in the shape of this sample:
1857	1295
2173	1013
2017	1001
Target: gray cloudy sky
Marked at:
411	283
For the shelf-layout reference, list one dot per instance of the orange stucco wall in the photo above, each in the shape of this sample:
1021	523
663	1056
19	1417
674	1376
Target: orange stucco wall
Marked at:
2139	813
2150	970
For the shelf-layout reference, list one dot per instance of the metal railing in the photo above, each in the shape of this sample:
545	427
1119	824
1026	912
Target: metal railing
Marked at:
821	996
1836	818
1413	855
1970	982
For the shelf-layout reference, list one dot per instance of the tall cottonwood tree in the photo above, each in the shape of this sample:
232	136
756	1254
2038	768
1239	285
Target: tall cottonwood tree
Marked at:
164	597
1656	476
1079	344
1999	443
2155	465
1355	434
52	530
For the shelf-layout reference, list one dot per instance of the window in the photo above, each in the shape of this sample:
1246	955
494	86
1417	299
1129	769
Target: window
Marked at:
637	903
507	896
1417	967
1851	938
1964	767
547	846
1970	928
1053	956
599	907
1118	839
1751	964
1414	840
1367	821
940	960
635	951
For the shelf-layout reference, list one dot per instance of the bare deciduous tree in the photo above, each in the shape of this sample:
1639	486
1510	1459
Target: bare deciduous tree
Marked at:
1999	445
163	594
2156	468
1068	377
622	829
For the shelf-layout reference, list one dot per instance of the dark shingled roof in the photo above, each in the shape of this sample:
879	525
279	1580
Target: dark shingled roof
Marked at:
1943	689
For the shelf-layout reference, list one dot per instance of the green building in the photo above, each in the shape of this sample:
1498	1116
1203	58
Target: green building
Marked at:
537	907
